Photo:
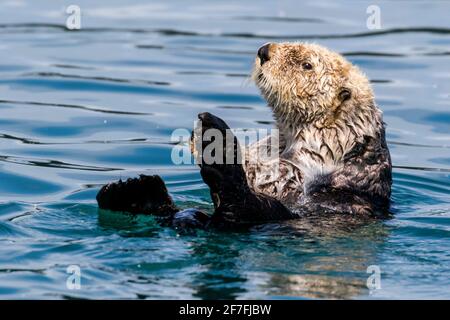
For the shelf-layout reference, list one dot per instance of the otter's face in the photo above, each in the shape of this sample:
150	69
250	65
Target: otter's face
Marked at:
304	81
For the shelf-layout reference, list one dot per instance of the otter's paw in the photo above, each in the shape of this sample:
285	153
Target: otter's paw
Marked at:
146	195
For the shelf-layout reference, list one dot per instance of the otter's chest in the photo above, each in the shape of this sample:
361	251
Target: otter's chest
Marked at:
316	154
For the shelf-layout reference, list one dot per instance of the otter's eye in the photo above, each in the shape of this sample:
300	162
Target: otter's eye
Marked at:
307	66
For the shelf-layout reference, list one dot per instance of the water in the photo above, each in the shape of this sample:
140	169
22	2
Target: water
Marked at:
79	109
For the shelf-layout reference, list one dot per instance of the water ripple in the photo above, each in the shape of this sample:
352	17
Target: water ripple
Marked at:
107	79
52	164
71	106
39	27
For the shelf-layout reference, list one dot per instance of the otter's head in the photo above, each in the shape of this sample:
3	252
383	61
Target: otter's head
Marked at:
307	83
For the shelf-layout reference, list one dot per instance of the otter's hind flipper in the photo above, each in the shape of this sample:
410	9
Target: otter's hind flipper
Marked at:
145	195
235	203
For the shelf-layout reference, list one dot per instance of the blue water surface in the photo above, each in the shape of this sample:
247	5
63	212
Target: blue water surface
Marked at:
81	108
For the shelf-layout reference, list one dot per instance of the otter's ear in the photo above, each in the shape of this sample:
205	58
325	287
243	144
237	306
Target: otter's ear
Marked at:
345	94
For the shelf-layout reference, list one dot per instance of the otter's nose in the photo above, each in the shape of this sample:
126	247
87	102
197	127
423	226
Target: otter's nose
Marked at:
263	53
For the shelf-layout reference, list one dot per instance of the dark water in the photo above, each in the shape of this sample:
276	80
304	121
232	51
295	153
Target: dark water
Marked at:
82	108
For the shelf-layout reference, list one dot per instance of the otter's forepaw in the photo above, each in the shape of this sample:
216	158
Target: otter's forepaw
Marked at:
146	195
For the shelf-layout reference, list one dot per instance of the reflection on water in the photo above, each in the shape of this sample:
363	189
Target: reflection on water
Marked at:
78	109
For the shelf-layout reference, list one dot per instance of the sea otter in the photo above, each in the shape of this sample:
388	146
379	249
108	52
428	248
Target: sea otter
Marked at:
332	158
